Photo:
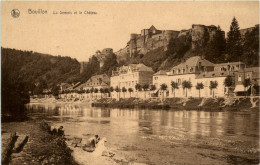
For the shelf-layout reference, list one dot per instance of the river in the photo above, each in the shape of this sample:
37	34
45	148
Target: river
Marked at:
161	136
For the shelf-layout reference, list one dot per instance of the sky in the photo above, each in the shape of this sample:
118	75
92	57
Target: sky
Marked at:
81	35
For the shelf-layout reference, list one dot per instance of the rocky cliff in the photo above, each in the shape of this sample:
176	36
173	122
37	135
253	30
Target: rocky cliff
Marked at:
151	39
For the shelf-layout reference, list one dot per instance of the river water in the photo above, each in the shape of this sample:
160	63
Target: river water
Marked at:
161	136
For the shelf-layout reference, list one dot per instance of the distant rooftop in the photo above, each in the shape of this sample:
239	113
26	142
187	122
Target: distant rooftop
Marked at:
194	61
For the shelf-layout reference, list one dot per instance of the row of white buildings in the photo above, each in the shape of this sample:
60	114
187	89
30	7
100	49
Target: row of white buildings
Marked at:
194	70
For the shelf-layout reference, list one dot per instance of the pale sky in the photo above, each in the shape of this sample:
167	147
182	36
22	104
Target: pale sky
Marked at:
79	36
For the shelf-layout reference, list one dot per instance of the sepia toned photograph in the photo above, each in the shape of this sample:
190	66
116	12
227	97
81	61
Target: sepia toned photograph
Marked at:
130	83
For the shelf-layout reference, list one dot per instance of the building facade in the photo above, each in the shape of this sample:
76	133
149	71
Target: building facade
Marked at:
247	73
98	82
130	75
198	70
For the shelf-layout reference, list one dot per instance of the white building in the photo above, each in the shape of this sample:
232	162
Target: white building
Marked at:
219	77
186	71
129	76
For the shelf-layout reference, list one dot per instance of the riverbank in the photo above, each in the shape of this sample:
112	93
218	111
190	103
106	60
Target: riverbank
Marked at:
207	104
57	101
44	147
41	147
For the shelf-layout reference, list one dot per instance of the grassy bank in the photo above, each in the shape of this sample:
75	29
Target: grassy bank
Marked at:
207	104
41	148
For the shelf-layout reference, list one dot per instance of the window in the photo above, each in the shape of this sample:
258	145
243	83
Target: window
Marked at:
247	75
239	78
191	69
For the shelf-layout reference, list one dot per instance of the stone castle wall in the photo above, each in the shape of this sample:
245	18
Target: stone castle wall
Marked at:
152	38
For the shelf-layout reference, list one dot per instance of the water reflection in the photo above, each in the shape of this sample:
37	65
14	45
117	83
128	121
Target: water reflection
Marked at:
189	124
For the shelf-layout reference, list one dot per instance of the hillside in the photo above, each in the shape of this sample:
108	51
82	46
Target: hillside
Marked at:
45	71
200	40
32	68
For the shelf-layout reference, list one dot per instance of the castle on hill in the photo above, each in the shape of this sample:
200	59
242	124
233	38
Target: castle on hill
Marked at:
153	38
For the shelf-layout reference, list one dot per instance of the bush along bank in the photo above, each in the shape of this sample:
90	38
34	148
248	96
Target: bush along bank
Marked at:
207	104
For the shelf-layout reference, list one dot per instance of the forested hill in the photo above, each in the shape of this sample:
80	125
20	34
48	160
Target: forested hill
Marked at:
32	68
43	71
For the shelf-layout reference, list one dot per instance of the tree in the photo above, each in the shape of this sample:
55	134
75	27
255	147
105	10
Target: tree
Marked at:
177	47
174	86
110	63
163	88
251	47
91	91
106	90
215	50
186	85
130	90
234	46
138	87
145	87
117	89
199	86
213	85
228	82
124	90
111	89
246	83
101	91
153	88
96	91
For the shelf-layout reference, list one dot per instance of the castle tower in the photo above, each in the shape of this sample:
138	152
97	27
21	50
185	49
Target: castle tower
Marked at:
132	44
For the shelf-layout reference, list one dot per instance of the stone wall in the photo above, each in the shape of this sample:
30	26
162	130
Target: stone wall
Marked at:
202	34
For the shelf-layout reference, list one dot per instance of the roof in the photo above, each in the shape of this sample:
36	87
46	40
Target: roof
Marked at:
161	72
193	61
229	63
80	86
152	28
103	79
215	74
141	67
